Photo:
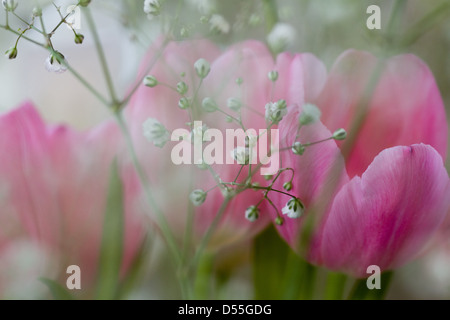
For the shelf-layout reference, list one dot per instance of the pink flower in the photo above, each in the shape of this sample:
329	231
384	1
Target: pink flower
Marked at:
250	61
54	184
384	201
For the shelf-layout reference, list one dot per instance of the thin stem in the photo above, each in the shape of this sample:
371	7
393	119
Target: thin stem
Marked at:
146	187
101	55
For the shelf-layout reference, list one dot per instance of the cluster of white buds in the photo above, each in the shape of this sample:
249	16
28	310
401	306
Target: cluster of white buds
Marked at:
275	111
155	132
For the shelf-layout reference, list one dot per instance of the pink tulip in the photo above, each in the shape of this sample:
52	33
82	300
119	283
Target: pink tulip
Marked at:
54	184
383	202
251	61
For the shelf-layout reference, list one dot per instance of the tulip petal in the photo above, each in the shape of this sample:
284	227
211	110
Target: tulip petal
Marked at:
385	217
405	107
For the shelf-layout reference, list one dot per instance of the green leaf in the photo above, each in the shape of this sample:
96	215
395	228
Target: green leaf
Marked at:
58	292
112	240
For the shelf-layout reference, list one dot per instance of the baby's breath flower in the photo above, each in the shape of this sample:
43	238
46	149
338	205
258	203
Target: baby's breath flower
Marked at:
10	5
79	38
54	63
242	155
155	132
275	111
273	76
202	67
252	213
197	197
152	8
84	3
150	81
219	24
298	149
11	53
182	87
340	134
234	104
183	103
287	186
281	37
294	208
310	114
209	105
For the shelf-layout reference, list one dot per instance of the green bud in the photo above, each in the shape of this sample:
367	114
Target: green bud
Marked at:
279	221
84	3
209	105
11	53
298	149
79	38
234	104
239	81
182	87
287	186
183	103
340	134
202	67
273	76
150	81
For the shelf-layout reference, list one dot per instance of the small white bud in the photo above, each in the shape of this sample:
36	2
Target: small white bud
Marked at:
183	103
202	67
234	104
294	208
150	81
152	8
281	37
310	114
219	24
54	63
252	213
10	5
273	76
197	197
155	132
182	87
209	105
340	134
298	149
275	111
242	155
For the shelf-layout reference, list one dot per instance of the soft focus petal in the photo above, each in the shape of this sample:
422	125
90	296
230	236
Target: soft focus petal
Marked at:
385	217
319	172
405	108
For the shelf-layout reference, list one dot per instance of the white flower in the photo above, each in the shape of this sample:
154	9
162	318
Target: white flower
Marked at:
219	24
197	197
242	155
275	111
152	8
204	6
155	132
202	67
281	37
53	63
294	208
310	114
10	5
252	213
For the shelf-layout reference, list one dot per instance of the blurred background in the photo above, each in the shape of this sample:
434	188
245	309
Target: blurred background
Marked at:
322	27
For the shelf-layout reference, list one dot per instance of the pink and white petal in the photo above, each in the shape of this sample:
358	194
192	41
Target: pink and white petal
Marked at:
385	217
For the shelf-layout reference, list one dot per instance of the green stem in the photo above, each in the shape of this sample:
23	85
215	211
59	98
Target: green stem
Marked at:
147	190
270	13
101	55
335	286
